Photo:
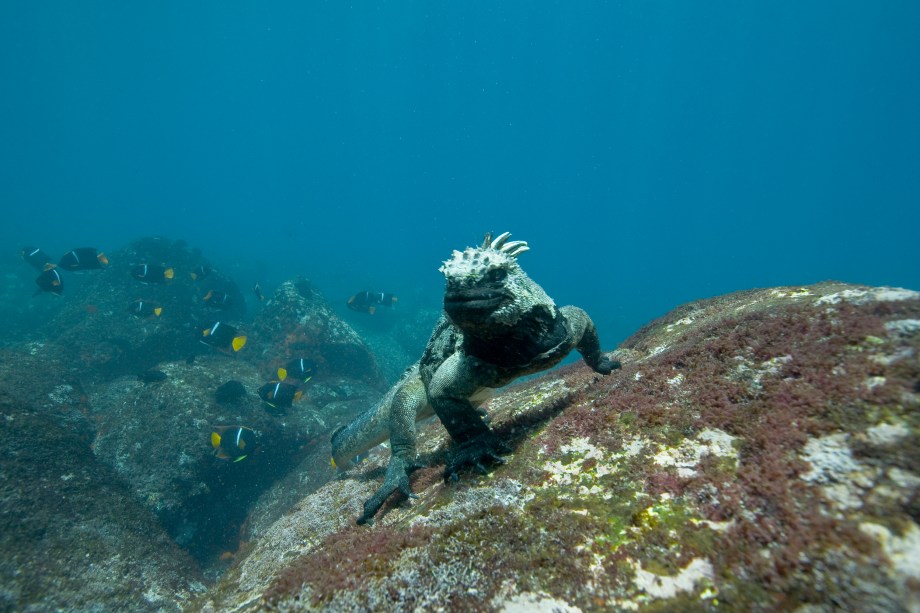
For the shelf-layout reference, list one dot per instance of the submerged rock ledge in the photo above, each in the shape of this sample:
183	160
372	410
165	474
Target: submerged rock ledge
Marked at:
757	451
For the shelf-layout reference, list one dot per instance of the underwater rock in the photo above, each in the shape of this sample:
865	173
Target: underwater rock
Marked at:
299	322
73	536
350	399
757	451
93	331
157	438
151	376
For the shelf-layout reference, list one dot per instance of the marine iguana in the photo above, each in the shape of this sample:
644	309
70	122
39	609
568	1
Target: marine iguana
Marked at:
497	325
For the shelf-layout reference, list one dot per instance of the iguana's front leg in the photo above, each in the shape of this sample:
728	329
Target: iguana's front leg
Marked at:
586	341
407	404
449	392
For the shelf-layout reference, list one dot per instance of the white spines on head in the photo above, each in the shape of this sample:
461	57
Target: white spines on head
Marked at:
497	253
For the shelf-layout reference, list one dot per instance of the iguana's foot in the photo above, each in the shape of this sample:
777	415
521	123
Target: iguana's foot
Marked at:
397	478
606	365
483	448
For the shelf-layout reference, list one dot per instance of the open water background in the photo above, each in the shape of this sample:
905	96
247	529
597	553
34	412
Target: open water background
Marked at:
652	153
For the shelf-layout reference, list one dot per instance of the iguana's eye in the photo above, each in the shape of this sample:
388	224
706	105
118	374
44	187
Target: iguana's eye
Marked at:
496	275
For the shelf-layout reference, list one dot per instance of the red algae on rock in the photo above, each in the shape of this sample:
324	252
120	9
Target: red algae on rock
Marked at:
756	452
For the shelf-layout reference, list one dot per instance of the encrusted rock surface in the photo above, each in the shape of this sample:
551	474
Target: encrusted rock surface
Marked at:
299	322
73	536
156	437
146	445
757	451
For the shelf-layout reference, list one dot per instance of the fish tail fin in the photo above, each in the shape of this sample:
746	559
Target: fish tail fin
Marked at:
215	440
169	273
239	342
282	374
158	311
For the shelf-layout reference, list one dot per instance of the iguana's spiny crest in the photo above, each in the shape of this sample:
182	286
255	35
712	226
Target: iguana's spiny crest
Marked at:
487	287
475	262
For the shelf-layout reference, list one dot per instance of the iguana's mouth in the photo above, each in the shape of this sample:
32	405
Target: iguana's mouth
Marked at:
474	299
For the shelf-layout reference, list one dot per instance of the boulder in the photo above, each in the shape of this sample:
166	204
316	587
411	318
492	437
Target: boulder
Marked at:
156	436
299	322
72	534
757	451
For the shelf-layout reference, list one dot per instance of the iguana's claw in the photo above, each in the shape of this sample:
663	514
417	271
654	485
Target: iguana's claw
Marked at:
397	478
476	453
607	365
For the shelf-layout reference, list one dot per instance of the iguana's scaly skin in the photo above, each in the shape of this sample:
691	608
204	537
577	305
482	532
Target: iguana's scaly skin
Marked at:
497	325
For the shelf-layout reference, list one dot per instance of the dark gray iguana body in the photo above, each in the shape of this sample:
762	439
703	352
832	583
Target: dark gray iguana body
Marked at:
498	325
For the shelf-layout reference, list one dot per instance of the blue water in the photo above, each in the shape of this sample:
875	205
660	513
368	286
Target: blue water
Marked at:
652	153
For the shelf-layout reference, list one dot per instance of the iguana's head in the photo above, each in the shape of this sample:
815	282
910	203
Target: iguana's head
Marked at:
487	291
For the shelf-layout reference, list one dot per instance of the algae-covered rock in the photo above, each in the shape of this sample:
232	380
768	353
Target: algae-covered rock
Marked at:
72	535
156	436
757	451
314	469
299	322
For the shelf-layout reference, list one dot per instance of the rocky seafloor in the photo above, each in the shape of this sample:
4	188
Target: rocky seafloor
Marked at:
757	451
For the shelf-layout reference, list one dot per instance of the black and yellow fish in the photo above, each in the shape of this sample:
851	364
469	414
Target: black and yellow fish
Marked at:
50	281
145	308
279	394
36	257
200	272
367	302
223	336
152	273
83	258
218	300
354	461
300	370
348	462
232	442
